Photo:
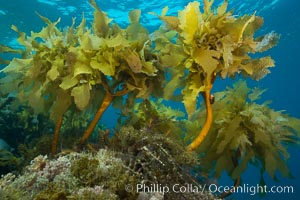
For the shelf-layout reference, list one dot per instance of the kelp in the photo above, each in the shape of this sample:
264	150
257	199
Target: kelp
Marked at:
76	63
245	132
215	44
64	68
4	49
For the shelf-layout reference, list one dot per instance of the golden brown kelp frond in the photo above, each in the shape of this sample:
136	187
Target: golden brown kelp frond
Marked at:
42	72
4	49
216	41
75	61
7	49
101	21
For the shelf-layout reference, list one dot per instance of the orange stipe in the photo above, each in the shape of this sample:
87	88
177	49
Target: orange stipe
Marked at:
105	104
208	122
56	135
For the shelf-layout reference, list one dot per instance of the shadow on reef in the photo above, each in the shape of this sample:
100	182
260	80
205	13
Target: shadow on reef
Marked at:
25	135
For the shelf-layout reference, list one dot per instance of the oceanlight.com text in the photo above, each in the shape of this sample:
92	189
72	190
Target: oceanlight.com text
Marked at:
251	189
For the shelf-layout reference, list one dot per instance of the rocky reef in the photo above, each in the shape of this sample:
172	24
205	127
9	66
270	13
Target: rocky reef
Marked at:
134	159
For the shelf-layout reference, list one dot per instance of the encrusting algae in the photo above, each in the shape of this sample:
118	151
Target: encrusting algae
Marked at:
83	70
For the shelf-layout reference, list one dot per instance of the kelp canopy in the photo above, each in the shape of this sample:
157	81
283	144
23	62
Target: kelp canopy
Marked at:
77	65
212	43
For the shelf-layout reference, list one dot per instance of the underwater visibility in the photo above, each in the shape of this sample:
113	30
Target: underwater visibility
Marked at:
149	100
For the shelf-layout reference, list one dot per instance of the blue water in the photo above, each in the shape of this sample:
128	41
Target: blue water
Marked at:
283	83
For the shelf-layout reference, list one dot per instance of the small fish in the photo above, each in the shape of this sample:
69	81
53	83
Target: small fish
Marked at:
212	99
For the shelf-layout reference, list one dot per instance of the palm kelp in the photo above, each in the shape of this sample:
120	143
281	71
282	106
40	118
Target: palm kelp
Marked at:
82	66
245	132
211	44
79	71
